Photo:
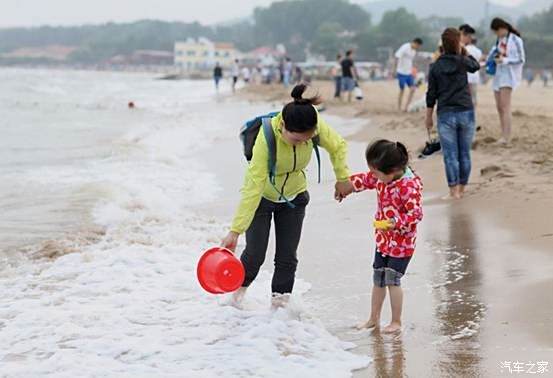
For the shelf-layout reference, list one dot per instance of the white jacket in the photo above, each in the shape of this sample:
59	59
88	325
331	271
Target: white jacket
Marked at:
515	58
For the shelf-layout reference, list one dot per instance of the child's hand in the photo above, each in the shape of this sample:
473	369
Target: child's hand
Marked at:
342	190
384	225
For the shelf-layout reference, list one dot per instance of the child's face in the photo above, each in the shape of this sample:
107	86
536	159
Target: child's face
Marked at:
385	177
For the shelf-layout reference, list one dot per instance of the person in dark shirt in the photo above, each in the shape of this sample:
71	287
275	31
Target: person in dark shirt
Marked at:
448	86
217	75
349	74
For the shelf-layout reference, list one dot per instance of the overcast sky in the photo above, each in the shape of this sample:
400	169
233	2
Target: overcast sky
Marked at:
74	12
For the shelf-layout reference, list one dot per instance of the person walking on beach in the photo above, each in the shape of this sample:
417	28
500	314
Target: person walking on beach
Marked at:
529	76
467	40
448	86
235	72
349	74
336	73
246	74
399	210
403	70
217	75
509	56
287	72
283	197
298	76
545	77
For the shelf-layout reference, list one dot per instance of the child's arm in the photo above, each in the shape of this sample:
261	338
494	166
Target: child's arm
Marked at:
363	181
412	201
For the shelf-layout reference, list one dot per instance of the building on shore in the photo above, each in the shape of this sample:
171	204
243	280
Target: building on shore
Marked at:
264	56
201	54
143	58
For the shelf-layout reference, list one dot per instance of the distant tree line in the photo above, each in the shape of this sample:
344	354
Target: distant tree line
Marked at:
321	27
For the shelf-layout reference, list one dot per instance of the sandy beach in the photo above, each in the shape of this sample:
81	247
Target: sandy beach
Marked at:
104	269
478	289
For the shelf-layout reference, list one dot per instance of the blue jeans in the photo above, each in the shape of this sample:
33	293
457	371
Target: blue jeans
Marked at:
456	130
286	78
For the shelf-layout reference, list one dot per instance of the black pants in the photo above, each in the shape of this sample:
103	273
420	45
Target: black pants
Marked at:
288	225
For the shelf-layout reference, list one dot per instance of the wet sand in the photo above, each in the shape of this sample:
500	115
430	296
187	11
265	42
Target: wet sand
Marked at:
477	292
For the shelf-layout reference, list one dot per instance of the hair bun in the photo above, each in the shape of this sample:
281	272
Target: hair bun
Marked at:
297	92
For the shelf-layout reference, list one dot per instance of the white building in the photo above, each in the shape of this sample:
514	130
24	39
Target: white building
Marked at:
202	54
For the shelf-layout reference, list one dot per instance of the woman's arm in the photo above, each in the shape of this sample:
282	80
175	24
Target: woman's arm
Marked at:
516	54
254	185
432	92
336	147
471	64
431	96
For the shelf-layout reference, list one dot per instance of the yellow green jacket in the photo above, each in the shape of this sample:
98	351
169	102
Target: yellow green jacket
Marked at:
291	162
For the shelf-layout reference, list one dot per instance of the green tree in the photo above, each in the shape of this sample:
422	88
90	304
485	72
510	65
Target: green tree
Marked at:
399	26
329	39
540	23
295	23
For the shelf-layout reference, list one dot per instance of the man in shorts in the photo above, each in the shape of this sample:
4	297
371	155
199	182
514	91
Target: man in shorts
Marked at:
349	74
403	68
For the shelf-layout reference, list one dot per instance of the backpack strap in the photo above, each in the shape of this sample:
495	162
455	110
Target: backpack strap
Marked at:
316	141
271	146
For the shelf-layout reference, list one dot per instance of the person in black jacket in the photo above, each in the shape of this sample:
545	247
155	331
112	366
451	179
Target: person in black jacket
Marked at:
217	75
448	86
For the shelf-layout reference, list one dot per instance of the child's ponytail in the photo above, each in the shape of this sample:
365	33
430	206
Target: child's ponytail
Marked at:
387	156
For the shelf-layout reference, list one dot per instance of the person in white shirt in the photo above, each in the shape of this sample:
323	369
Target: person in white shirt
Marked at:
246	75
467	39
403	69
509	56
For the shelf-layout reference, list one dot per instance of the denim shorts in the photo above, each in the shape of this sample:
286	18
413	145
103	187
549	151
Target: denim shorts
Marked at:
405	81
347	84
388	270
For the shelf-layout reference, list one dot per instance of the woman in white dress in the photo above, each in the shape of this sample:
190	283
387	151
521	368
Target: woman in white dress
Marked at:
509	56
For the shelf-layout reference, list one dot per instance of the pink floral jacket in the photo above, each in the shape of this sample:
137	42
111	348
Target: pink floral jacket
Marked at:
400	200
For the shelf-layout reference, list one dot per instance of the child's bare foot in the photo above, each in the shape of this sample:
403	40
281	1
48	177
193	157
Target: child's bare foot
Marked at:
392	327
369	324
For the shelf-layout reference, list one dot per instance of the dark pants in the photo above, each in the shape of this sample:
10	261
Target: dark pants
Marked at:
337	86
288	226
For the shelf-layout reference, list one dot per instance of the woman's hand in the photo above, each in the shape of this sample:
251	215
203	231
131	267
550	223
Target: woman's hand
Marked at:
499	60
230	241
342	190
429	122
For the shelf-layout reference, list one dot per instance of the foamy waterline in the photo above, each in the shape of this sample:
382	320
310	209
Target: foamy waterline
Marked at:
127	302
